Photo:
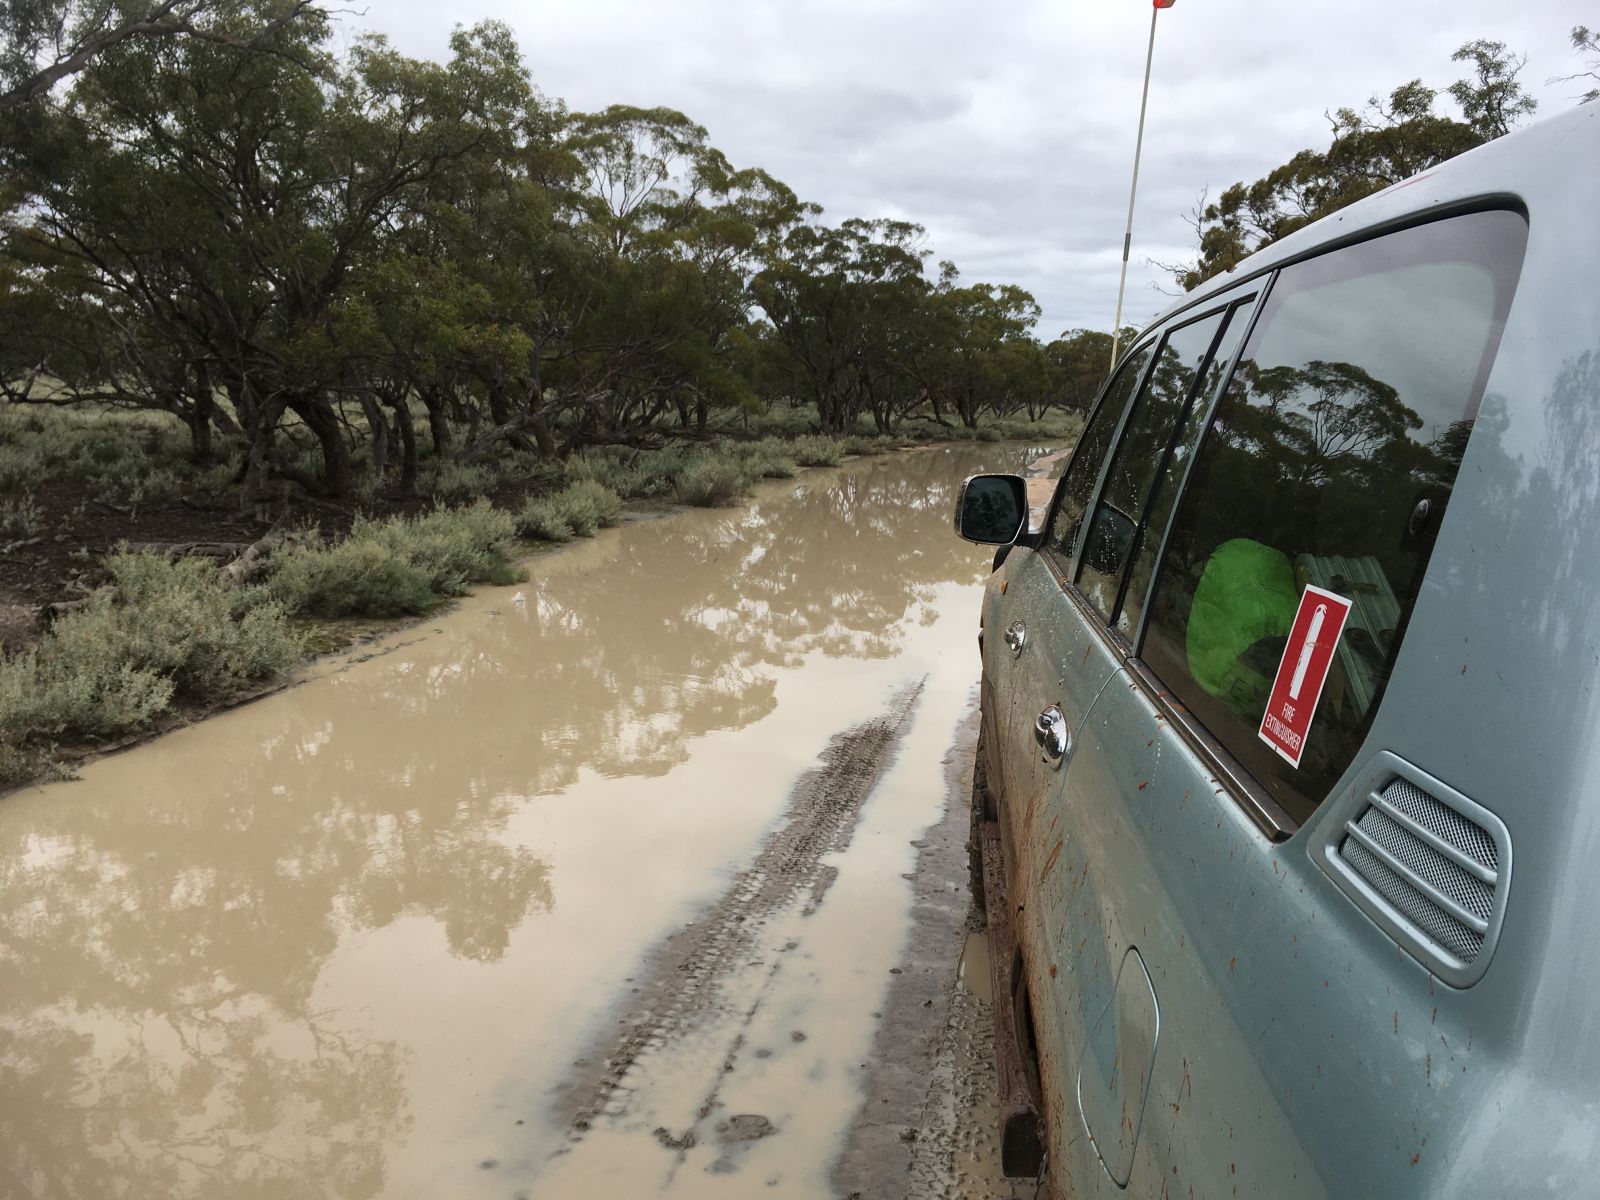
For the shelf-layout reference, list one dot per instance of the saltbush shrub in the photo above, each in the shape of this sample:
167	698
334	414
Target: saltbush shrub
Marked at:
578	510
817	451
769	458
351	578
165	630
710	481
400	566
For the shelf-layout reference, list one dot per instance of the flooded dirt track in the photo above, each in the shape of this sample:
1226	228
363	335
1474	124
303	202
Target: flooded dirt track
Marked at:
628	881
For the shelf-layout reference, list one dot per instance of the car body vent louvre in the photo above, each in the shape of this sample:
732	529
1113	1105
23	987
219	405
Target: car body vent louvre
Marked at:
1428	865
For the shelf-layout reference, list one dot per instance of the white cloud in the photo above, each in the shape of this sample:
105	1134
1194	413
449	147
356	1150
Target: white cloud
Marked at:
1006	130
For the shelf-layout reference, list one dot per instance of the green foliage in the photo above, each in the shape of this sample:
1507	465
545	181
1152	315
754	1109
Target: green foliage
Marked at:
351	578
1389	141
1586	42
769	458
119	455
168	630
578	510
818	451
400	566
710	480
631	474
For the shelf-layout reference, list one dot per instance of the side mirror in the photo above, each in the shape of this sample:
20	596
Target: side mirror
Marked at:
992	510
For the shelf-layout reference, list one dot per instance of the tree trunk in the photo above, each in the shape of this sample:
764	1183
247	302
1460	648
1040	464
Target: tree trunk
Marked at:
318	415
438	423
408	448
380	433
500	410
257	467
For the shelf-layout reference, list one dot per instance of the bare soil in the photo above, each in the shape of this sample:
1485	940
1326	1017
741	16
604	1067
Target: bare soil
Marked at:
76	530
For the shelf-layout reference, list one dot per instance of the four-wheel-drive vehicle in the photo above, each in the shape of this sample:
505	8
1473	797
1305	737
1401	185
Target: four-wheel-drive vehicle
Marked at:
1291	716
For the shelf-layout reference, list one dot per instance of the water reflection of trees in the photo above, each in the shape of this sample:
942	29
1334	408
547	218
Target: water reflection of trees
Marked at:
164	933
1326	464
1326	448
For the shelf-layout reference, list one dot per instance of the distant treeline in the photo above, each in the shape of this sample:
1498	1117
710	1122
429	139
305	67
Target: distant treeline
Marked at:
244	227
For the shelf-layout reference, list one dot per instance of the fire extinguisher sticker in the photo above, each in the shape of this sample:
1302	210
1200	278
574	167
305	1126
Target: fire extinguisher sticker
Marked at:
1307	658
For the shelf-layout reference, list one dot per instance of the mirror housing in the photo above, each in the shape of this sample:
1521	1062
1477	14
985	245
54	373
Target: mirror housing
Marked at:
992	510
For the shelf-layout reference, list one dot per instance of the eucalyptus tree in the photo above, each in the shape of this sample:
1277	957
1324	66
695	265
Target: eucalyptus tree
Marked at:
825	289
1389	140
217	202
982	360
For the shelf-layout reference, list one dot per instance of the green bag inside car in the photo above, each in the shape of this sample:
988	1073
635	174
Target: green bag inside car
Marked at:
1246	596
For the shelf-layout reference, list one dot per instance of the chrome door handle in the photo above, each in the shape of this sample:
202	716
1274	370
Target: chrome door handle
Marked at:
1016	636
1051	732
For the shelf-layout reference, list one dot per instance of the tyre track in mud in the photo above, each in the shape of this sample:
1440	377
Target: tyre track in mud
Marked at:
683	982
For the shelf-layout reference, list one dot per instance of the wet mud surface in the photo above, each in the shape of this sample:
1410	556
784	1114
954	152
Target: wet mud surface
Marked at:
638	879
692	981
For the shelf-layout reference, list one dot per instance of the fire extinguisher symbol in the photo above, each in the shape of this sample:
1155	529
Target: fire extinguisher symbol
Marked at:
1300	667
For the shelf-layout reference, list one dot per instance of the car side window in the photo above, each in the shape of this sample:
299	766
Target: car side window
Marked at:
1329	462
1114	528
1083	472
1158	510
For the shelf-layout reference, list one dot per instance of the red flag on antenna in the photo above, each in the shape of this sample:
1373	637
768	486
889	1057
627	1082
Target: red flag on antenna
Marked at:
1164	3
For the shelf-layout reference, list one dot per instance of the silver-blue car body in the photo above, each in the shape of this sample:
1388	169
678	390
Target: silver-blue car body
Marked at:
1349	952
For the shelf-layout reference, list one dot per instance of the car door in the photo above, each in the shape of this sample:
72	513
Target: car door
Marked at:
1093	1009
1056	652
1258	1037
1042	662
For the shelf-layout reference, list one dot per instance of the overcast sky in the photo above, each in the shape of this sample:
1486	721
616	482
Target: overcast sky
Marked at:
1006	130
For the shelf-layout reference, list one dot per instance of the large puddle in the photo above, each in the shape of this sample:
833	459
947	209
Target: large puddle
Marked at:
589	887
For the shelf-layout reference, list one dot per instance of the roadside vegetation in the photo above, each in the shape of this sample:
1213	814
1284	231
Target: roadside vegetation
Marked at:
297	329
169	630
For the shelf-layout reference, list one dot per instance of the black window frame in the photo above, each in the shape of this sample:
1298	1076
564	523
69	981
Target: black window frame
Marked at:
1066	570
1250	293
1225	308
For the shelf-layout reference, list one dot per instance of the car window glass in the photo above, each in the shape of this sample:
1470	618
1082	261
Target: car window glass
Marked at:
1158	511
1329	462
1083	472
1138	456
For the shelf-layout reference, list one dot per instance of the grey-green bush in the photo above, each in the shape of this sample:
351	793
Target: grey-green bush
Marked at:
350	579
166	630
399	566
769	458
709	481
579	509
817	451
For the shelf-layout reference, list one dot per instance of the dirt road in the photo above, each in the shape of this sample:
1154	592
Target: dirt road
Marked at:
644	878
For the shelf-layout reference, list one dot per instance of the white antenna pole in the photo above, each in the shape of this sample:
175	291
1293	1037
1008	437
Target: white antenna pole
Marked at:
1133	190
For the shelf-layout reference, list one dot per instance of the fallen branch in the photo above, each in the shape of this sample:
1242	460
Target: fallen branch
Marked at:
252	562
178	549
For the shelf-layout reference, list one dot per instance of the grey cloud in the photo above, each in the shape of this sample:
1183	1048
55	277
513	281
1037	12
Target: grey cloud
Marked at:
1008	130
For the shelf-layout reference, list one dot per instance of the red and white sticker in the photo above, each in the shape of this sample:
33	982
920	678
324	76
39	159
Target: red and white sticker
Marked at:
1307	659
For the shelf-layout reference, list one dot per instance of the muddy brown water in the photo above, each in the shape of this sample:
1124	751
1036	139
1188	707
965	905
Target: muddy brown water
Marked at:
591	886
